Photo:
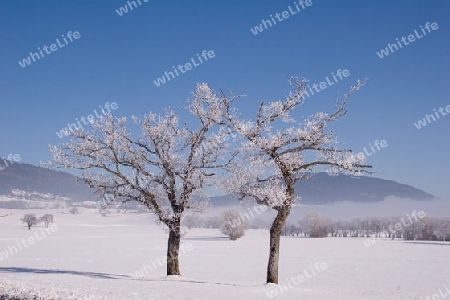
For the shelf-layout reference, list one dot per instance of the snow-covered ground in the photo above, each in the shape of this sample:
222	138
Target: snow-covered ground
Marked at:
88	256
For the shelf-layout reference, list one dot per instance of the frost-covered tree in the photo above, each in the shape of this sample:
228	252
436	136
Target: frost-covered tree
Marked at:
425	228
442	226
336	228
277	151
47	219
30	220
317	226
162	167
233	224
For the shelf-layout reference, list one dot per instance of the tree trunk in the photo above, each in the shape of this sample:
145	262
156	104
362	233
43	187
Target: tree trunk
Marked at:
275	233
173	248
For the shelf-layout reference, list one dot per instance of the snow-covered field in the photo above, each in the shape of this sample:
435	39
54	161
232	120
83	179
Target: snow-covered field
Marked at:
88	256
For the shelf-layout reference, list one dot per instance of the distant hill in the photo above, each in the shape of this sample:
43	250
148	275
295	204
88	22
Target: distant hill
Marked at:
42	180
324	189
320	189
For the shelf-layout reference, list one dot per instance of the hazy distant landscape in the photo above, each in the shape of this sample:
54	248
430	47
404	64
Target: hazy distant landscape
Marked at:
338	197
320	189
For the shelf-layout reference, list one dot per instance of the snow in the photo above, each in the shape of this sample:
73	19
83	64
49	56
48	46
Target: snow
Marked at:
95	257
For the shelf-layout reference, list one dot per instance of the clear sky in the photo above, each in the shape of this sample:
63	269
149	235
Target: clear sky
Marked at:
117	58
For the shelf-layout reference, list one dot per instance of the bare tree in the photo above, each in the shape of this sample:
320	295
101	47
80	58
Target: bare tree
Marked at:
273	158
47	219
302	227
162	168
30	219
233	224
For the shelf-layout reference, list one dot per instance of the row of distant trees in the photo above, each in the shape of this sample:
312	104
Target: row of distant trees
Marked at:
197	221
315	225
427	228
31	220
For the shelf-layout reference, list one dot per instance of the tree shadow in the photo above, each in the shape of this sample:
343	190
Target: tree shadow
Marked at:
107	276
186	280
48	271
200	238
429	243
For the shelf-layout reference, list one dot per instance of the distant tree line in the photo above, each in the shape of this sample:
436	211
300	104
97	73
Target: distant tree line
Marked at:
427	228
315	225
196	221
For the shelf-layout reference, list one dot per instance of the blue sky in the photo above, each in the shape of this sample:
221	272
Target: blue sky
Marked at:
117	58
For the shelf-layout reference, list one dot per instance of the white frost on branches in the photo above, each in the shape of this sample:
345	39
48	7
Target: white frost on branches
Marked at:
271	159
163	167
